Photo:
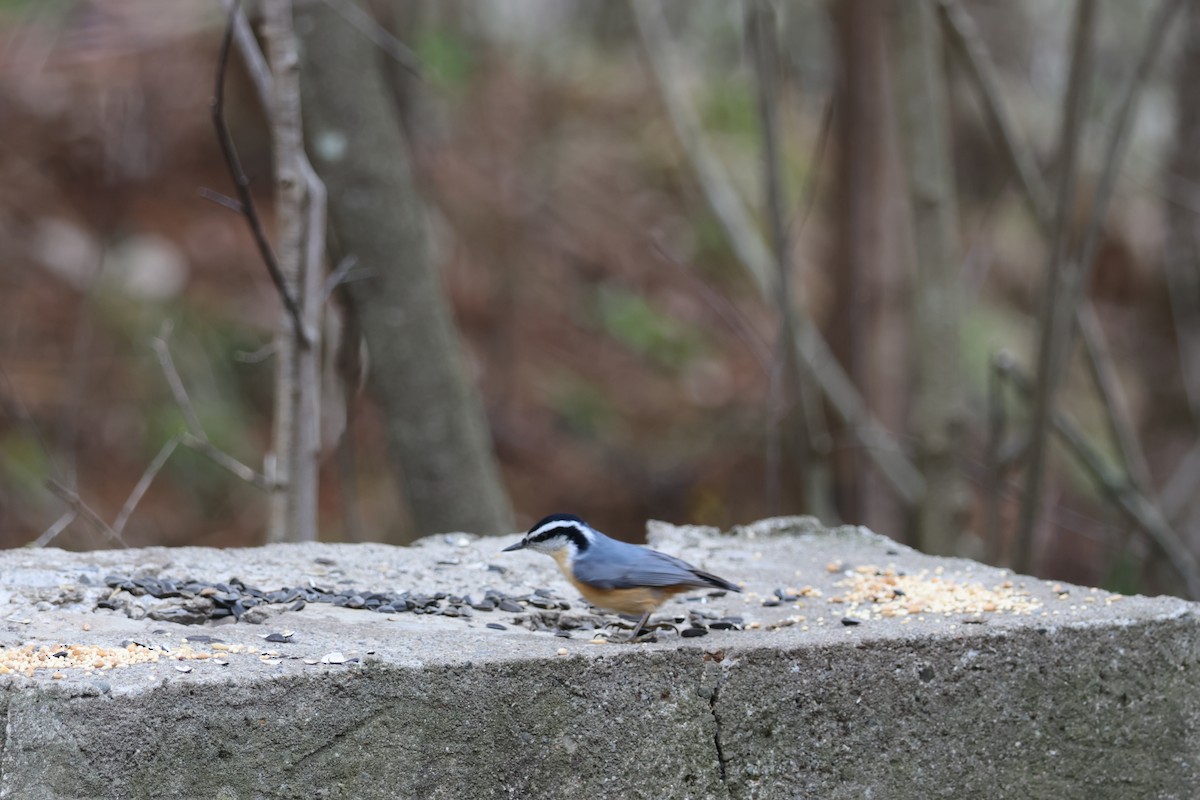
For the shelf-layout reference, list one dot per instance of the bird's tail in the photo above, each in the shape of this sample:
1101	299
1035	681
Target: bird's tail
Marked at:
715	580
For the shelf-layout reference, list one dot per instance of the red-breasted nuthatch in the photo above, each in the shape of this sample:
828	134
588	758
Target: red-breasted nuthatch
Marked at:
626	578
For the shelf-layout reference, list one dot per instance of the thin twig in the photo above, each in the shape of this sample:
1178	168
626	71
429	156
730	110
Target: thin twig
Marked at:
242	183
16	408
819	361
347	471
1114	154
1099	359
340	274
252	55
1180	489
143	485
808	194
196	439
993	469
1117	487
963	34
223	459
256	356
1108	387
1181	258
1056	311
78	365
380	36
727	311
81	508
178	391
223	200
804	422
60	525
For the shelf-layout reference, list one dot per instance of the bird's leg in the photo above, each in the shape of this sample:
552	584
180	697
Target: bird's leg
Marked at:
637	629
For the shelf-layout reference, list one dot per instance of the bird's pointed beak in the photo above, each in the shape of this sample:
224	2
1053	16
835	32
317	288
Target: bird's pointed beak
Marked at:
518	546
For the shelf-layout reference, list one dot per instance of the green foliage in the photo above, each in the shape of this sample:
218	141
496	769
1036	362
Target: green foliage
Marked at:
1124	575
639	326
730	108
57	6
986	330
583	406
712	247
445	58
23	463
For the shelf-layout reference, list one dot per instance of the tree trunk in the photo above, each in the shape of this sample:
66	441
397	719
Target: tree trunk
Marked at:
436	430
938	406
297	440
869	322
1181	253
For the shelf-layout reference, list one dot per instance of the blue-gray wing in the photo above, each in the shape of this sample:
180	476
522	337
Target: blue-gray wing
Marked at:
619	565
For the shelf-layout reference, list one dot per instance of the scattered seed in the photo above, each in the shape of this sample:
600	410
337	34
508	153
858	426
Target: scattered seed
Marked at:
562	651
183	668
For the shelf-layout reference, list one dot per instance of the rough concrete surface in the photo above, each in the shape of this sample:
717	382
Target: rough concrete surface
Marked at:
1077	694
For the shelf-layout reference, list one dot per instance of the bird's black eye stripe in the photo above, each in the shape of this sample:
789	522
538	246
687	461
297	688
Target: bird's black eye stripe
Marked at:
570	531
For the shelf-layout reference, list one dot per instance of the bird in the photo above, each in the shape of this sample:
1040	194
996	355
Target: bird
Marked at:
614	575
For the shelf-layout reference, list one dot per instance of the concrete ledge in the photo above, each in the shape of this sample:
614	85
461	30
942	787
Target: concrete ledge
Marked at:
1032	691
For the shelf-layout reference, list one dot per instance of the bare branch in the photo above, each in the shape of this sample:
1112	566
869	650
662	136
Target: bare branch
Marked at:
81	508
242	183
937	418
195	439
818	360
178	391
961	30
300	205
143	484
1181	488
223	200
1057	308
252	55
1119	490
963	34
380	36
1099	359
17	409
1108	387
993	468
340	274
804	422
257	356
1114	154
724	309
60	525
223	459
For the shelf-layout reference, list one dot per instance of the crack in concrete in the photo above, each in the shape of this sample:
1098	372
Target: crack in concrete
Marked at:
714	694
712	708
342	734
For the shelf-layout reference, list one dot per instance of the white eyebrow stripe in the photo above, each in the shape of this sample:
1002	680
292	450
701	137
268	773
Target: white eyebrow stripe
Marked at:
558	523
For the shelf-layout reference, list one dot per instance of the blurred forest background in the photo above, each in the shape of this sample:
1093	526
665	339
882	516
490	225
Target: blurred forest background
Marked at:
610	190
